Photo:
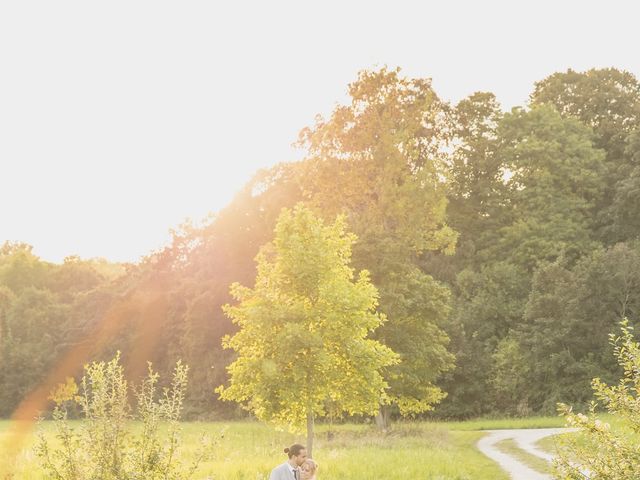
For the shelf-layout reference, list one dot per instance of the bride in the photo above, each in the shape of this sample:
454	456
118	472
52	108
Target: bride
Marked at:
308	469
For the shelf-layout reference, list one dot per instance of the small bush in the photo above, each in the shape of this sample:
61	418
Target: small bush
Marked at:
105	445
600	452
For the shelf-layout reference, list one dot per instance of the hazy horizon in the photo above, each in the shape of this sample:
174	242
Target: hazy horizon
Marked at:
118	121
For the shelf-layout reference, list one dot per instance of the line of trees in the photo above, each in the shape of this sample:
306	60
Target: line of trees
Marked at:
503	247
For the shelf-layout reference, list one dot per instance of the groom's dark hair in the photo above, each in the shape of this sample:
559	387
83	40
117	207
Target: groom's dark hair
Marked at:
294	450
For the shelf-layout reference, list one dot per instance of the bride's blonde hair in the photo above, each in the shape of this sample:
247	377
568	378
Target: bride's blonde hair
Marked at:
313	464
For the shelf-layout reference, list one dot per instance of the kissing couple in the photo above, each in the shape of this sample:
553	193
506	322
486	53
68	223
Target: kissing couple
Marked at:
298	467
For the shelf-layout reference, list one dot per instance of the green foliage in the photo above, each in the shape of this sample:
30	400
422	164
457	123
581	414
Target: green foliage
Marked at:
417	303
543	209
554	181
103	446
379	160
65	392
474	172
549	336
20	268
200	266
304	338
602	452
625	208
490	236
489	304
567	321
44	308
29	342
606	100
509	377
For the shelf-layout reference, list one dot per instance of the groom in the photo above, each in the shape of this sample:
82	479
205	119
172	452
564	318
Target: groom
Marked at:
290	470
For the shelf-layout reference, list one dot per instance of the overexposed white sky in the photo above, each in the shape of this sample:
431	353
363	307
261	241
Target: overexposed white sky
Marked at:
120	119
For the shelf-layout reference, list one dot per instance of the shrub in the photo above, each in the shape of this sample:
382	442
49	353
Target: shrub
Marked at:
106	444
601	452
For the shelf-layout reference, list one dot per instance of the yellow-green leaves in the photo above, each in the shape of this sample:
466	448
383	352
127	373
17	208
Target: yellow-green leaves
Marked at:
604	451
380	161
304	328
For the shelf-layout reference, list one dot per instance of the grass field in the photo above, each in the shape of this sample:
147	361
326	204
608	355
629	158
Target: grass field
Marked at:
551	444
502	423
420	450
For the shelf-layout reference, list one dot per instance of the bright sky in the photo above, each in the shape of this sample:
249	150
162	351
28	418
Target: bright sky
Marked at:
120	119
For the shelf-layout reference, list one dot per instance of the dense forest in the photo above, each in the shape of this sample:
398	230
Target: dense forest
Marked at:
504	246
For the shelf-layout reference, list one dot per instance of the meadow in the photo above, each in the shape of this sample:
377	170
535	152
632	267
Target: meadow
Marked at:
420	450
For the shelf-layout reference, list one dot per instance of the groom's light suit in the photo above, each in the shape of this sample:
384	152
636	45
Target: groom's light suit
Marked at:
283	472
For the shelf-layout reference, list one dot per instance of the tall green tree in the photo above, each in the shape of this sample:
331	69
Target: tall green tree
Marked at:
568	318
625	209
304	339
605	99
20	268
379	160
489	303
474	173
539	204
555	181
33	326
608	101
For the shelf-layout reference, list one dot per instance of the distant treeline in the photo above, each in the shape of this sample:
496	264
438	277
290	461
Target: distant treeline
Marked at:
504	246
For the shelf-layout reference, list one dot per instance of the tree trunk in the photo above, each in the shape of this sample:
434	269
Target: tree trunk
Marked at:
310	433
383	419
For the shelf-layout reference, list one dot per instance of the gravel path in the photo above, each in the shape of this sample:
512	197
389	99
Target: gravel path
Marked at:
525	439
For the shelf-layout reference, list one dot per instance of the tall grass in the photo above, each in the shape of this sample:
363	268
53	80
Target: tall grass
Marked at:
248	451
505	423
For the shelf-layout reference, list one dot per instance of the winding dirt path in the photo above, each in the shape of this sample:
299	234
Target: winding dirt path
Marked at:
526	440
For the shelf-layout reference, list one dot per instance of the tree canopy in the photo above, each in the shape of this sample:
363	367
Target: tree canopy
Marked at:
502	247
303	346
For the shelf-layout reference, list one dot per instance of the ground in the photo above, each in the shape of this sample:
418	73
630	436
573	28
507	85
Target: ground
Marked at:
412	450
